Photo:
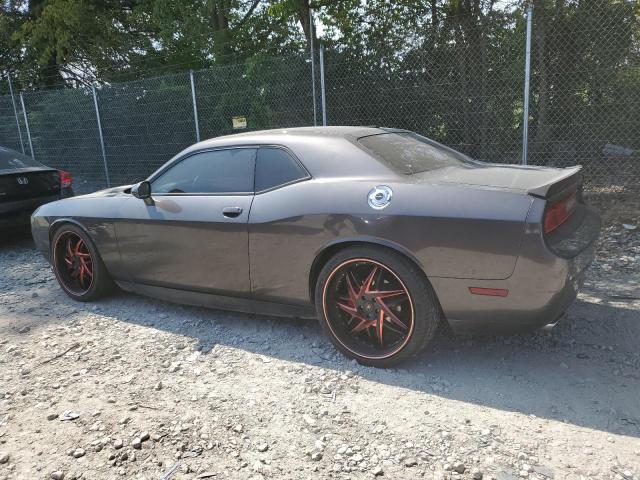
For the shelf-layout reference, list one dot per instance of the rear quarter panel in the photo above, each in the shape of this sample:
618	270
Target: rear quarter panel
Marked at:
450	231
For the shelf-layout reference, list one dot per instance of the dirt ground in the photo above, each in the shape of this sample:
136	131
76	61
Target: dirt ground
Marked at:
136	388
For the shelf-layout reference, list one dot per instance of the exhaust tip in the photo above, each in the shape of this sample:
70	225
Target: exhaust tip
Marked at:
552	325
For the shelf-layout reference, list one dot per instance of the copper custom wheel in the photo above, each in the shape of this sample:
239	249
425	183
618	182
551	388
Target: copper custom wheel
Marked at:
77	264
376	305
368	308
74	264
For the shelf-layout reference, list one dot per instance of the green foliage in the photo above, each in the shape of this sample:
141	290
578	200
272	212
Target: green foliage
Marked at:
451	69
50	42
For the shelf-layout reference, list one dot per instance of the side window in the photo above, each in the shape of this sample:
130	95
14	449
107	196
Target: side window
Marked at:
276	167
218	171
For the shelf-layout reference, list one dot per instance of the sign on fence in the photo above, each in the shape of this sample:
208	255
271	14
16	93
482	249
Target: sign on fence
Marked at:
239	122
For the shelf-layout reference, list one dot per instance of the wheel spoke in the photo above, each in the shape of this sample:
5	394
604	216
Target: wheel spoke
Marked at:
364	324
387	293
379	279
86	268
353	293
81	276
364	289
389	326
392	316
350	309
380	327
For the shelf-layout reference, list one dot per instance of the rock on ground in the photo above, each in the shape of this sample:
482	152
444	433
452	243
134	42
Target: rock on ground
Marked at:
135	388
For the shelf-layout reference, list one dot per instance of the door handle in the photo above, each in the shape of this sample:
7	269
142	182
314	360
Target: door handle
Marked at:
231	212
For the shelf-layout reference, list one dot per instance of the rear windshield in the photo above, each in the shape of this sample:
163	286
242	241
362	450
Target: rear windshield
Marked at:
11	160
409	153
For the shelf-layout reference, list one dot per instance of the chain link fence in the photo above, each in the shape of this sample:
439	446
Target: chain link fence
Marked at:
64	133
463	85
586	87
465	94
10	124
144	123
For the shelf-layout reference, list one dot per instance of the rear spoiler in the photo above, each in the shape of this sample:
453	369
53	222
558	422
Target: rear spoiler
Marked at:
569	178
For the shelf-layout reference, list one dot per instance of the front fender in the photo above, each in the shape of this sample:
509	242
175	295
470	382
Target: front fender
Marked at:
93	214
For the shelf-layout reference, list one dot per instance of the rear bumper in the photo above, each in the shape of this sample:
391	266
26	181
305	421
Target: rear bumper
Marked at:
543	285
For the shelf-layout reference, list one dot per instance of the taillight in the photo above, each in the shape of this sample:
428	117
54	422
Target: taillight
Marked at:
65	179
559	212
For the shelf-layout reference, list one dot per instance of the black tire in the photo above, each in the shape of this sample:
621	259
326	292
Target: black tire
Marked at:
417	309
94	285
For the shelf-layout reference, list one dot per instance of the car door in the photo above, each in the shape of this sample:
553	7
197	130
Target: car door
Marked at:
192	233
278	234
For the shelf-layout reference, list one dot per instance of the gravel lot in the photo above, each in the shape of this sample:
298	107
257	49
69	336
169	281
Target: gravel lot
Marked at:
140	389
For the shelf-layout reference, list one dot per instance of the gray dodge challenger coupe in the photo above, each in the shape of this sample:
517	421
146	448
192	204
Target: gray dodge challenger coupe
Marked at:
380	233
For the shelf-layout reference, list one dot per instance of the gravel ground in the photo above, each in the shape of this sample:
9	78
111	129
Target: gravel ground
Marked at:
140	389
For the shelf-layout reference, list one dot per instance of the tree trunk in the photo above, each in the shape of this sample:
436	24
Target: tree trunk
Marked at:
50	70
219	18
304	14
434	14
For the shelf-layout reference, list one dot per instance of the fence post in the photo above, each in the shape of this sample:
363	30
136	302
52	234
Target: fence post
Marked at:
15	113
104	151
26	124
527	75
313	68
195	105
324	105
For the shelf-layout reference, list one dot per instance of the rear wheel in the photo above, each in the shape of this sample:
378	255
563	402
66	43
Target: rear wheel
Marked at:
78	266
376	305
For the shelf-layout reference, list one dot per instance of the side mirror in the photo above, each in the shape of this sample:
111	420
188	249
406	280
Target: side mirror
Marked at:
141	190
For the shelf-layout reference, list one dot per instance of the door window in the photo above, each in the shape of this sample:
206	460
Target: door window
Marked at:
217	171
276	167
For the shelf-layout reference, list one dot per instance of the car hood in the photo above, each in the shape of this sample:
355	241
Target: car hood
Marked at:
109	192
536	181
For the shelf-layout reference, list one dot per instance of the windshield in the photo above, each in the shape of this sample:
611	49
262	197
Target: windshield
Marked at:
409	153
11	160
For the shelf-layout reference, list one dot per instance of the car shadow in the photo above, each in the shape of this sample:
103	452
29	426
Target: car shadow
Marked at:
582	373
15	236
585	372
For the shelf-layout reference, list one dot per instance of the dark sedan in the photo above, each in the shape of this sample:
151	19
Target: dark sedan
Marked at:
25	185
380	233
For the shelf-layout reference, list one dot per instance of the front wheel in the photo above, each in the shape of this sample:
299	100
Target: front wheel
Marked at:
376	305
78	266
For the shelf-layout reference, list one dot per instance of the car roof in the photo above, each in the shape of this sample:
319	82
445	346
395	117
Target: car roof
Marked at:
324	151
326	132
332	131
